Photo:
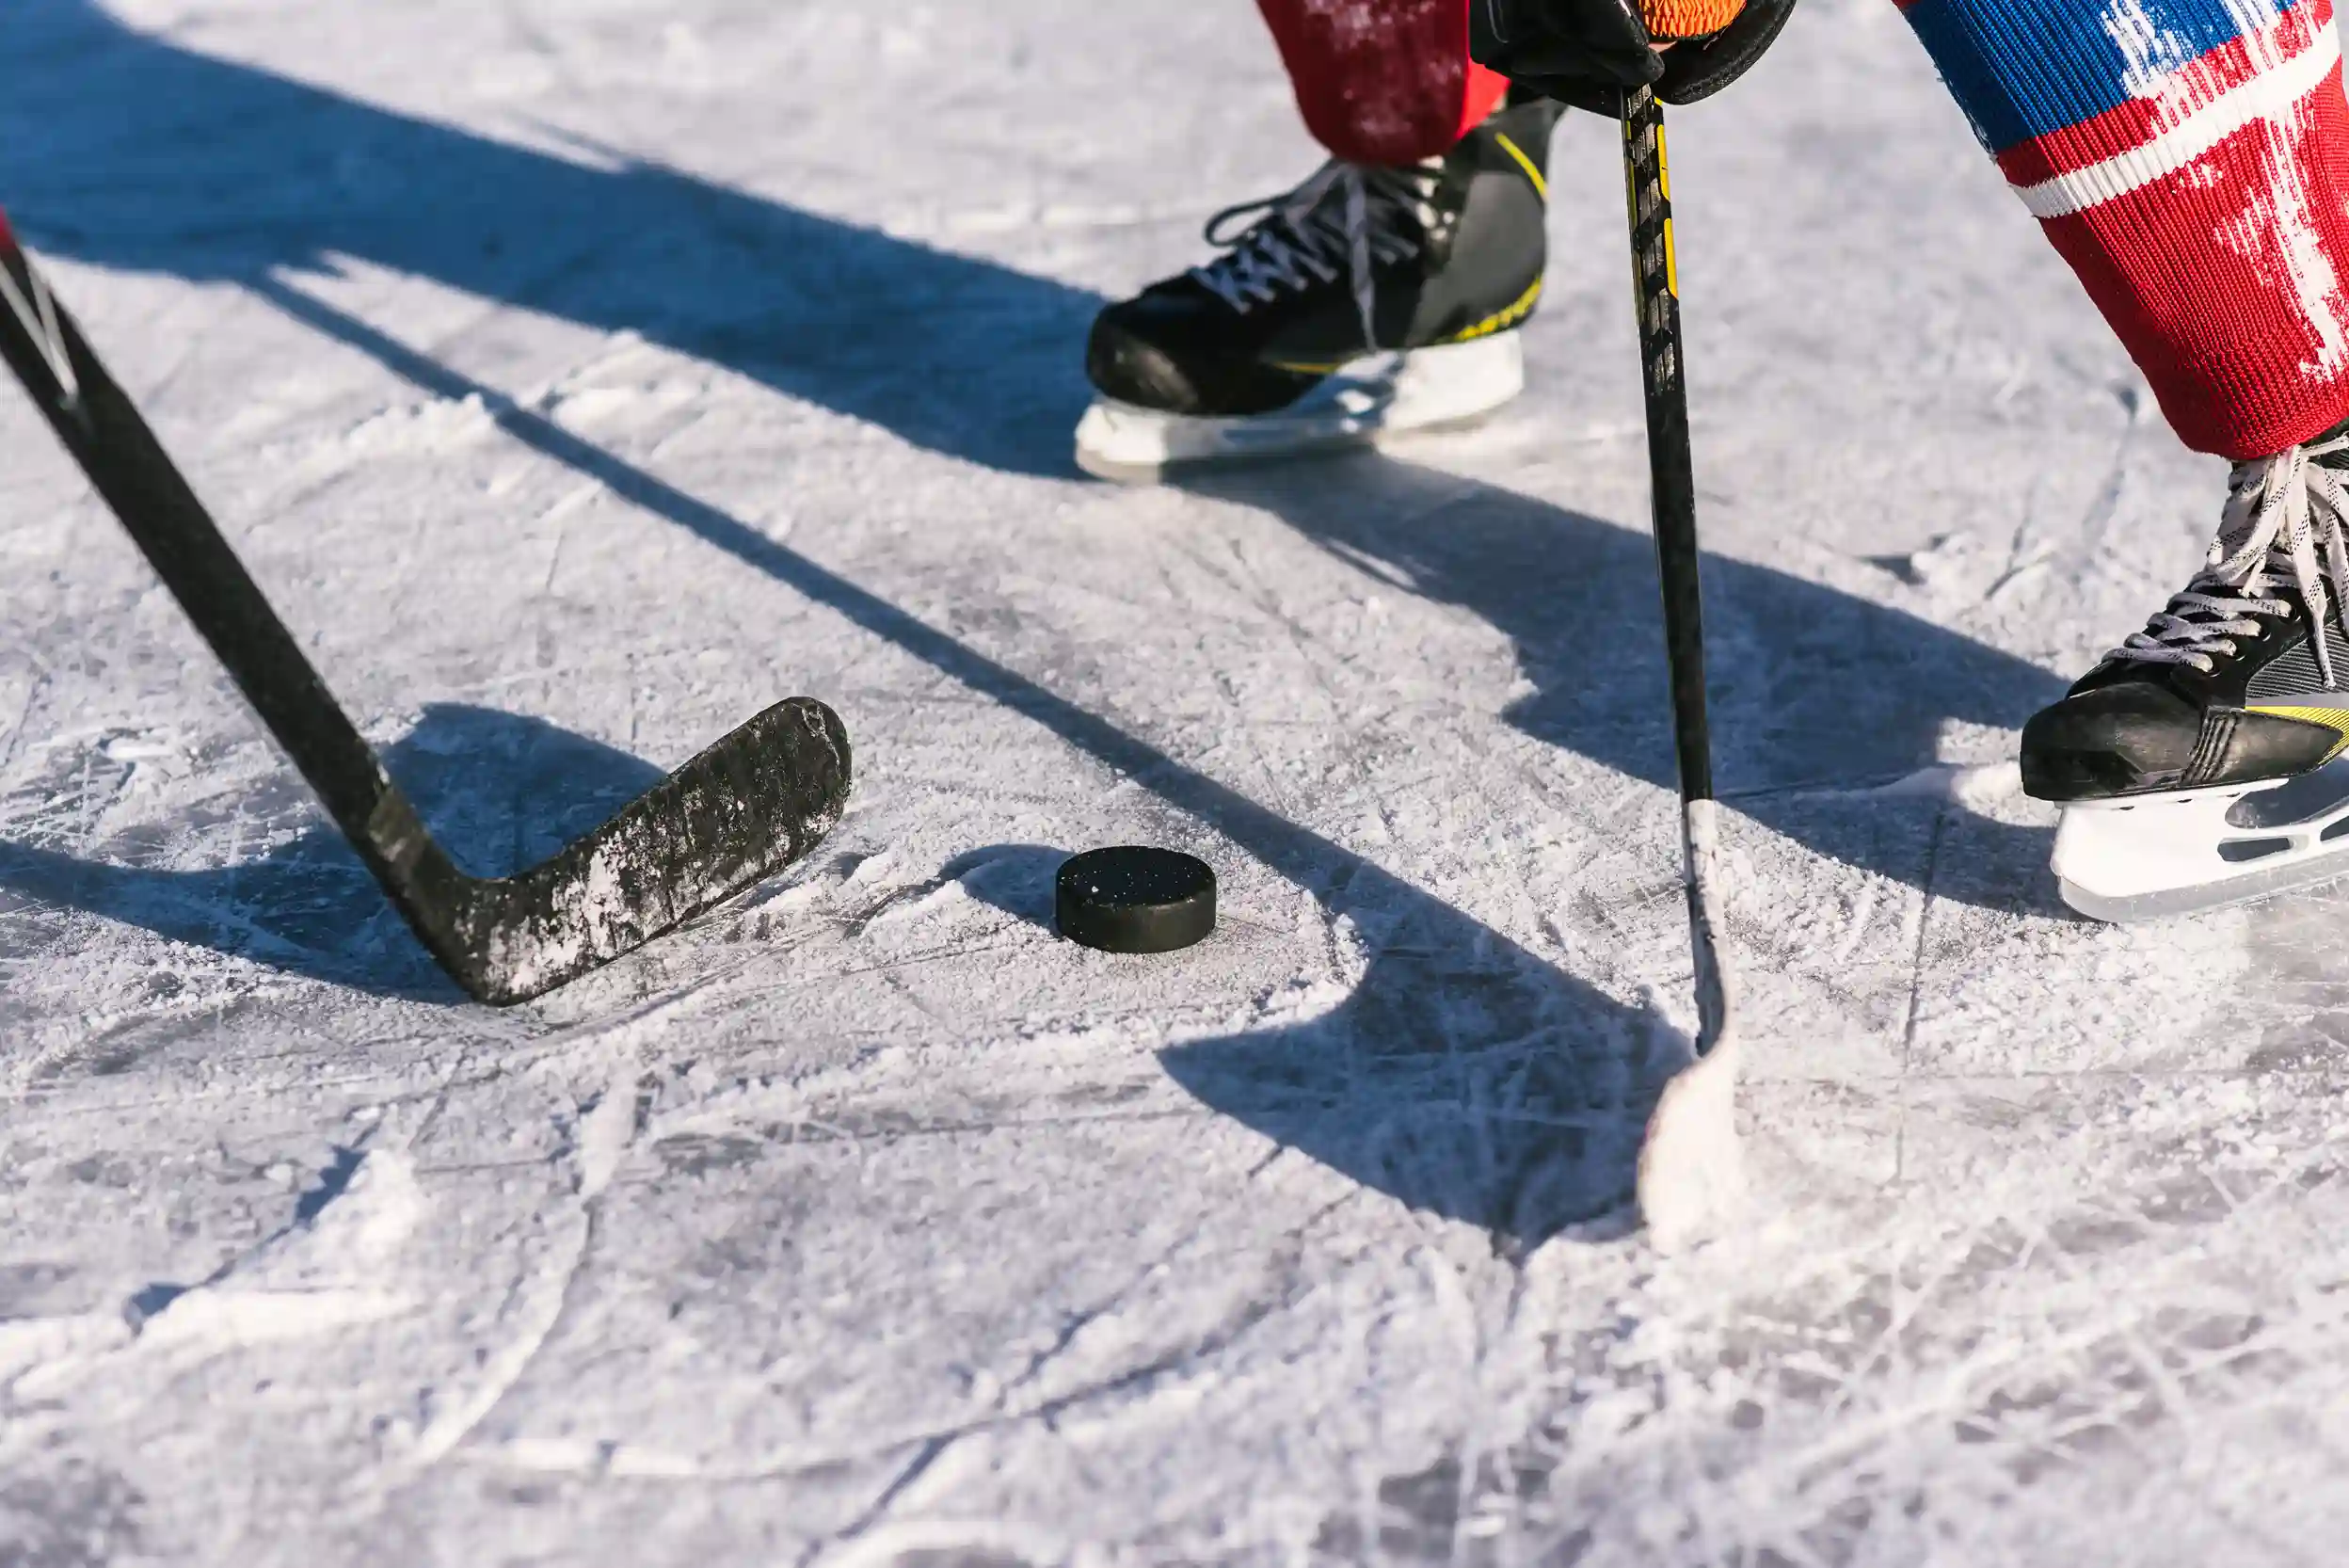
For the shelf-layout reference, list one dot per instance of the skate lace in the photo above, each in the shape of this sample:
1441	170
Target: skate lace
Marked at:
2279	512
1309	235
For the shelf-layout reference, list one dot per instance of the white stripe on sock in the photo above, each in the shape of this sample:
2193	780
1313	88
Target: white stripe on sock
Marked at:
2270	95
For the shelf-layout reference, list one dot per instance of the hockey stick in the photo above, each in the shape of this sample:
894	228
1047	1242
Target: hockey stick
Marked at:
757	800
1690	1169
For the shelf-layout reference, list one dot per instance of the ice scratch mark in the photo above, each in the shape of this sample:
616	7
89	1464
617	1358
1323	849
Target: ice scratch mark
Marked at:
1862	910
911	1471
1916	989
35	683
315	1276
975	1544
608	1129
504	1367
216	1320
606	1132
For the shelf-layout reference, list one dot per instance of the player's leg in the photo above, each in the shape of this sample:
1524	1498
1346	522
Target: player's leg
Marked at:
1382	294
1395	91
2190	159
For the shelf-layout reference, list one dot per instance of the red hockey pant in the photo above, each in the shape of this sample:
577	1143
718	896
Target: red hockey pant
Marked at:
1382	81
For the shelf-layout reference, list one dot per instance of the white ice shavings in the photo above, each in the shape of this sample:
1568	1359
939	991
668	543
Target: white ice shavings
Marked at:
604	1133
928	1244
322	1274
225	1320
608	1128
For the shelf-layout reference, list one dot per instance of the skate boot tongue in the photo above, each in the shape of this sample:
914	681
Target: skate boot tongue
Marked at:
1346	218
2280	552
2238	679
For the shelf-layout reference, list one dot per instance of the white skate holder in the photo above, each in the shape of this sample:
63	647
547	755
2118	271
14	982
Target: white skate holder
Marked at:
1356	405
2153	856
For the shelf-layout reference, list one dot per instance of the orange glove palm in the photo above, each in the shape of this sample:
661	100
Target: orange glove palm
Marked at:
1672	20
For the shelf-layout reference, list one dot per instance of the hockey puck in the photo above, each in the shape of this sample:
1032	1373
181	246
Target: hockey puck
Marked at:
1133	898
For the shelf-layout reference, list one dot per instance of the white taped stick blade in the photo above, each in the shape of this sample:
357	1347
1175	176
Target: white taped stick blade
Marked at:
1692	1173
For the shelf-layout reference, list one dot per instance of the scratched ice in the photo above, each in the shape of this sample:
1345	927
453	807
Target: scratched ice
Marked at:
864	1222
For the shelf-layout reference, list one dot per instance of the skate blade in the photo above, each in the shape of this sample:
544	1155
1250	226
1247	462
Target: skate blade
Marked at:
2172	904
2158	857
1692	1172
1382	395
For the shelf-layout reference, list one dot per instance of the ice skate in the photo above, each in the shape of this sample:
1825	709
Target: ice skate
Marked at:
1366	301
2200	763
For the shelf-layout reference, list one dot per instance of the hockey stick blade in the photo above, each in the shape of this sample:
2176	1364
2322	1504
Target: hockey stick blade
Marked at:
758	799
1691	1174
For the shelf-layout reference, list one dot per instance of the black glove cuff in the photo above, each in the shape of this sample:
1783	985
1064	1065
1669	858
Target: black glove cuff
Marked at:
1591	72
1583	53
1701	67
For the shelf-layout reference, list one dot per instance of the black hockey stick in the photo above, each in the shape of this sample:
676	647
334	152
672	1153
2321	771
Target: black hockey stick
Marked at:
1689	1166
758	799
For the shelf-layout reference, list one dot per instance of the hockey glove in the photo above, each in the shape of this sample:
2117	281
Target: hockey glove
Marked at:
1587	51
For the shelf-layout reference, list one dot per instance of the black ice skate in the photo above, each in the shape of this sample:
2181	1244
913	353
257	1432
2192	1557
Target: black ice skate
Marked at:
2200	763
1364	302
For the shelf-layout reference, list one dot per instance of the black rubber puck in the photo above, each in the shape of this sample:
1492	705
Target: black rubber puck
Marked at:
1133	898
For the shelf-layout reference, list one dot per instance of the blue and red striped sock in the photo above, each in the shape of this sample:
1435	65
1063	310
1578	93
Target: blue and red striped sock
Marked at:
2190	159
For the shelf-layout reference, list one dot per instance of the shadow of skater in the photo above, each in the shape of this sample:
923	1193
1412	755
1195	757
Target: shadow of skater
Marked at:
500	791
119	149
1812	690
1810	686
1463	1074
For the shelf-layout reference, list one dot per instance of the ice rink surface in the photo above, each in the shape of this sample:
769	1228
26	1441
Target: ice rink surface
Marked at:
580	376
